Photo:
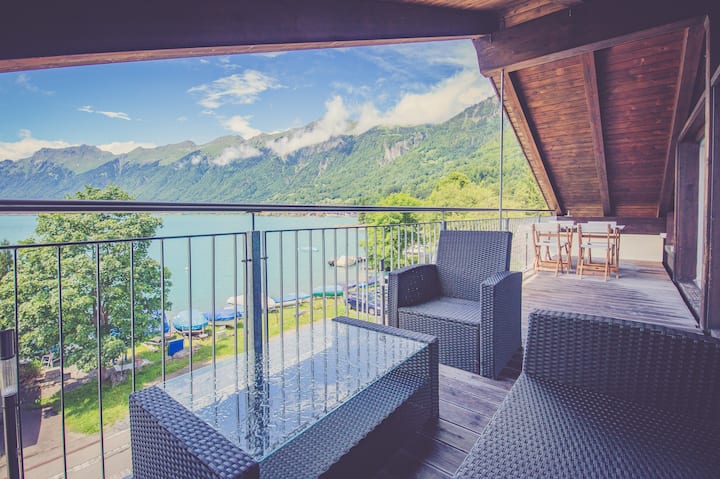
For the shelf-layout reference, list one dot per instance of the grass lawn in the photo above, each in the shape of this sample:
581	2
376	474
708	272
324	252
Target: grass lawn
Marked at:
81	404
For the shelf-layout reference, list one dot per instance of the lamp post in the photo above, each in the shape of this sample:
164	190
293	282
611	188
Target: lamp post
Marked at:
9	392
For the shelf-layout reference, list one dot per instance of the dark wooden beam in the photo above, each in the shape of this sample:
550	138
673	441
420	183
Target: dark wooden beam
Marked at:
709	315
686	217
567	3
596	125
523	127
584	28
41	34
633	225
692	53
695	120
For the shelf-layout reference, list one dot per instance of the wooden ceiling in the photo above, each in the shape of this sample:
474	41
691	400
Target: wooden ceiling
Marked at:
600	123
598	112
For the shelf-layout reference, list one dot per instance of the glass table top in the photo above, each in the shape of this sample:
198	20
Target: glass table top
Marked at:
305	376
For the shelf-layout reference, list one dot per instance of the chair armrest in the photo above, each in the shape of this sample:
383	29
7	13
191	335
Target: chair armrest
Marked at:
411	285
657	366
500	334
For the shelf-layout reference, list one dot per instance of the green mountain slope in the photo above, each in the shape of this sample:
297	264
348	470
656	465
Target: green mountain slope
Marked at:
356	169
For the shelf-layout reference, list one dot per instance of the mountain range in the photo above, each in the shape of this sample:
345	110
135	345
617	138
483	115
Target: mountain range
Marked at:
353	169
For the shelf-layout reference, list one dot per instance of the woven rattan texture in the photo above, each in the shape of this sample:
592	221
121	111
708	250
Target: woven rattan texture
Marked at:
336	434
169	442
673	370
478	322
342	443
467	258
463	336
579	410
433	352
549	430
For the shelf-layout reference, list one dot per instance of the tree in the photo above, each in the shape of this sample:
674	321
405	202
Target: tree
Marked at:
38	279
397	231
6	259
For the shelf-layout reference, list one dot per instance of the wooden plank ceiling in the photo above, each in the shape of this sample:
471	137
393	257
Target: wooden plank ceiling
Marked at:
598	112
600	123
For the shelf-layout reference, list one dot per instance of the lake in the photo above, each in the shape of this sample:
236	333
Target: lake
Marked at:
301	267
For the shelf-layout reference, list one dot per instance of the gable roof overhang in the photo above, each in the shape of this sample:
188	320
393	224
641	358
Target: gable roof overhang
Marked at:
598	96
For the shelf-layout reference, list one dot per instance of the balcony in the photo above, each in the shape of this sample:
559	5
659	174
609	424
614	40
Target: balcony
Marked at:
291	278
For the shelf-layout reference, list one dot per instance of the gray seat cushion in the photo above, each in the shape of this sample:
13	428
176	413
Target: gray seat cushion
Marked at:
450	309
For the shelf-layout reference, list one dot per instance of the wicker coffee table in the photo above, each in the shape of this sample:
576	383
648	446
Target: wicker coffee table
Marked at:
336	402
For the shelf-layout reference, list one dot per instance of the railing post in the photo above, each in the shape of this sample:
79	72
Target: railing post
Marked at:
9	392
254	294
443	223
256	353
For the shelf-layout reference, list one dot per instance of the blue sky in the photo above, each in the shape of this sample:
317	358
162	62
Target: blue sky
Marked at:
119	107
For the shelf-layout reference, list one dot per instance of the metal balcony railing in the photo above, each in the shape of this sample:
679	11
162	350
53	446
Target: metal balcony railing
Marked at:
97	322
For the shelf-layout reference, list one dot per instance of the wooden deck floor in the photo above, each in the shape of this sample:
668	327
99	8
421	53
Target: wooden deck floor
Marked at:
467	401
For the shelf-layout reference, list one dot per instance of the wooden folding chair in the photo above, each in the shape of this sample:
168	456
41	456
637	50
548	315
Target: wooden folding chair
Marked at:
550	243
599	237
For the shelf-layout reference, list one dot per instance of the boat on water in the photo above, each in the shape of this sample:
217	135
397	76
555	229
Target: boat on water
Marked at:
268	303
345	261
329	290
226	314
291	299
182	322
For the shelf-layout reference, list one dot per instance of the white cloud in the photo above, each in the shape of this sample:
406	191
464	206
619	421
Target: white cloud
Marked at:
334	122
27	145
181	118
234	153
122	147
242	88
442	102
241	125
114	114
110	114
24	81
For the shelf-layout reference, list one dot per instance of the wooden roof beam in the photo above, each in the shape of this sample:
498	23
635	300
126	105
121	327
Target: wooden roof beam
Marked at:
692	53
581	29
534	157
596	126
41	34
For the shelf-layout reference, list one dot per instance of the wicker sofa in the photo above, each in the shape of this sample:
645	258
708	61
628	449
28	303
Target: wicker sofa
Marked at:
602	397
468	299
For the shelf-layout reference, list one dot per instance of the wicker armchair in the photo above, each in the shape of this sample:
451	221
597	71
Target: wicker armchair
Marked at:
468	300
601	397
